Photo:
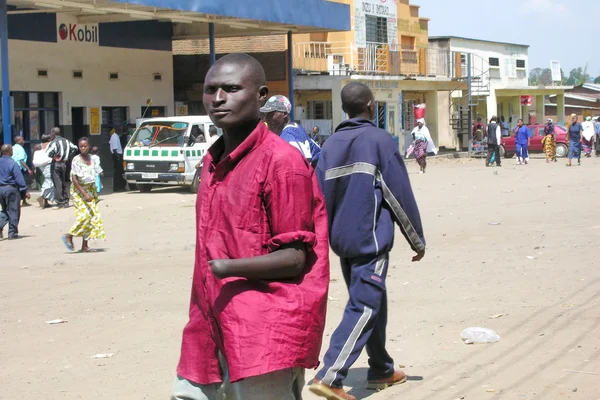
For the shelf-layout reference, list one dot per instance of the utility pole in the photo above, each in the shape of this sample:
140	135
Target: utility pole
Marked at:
469	101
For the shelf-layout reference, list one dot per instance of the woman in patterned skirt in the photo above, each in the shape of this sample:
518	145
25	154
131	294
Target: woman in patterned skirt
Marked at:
549	142
83	192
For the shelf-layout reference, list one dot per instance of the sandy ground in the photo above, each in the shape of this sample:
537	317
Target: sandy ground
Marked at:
538	268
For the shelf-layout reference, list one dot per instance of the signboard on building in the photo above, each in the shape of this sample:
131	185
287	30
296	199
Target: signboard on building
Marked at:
525	100
387	9
71	31
94	120
556	73
182	110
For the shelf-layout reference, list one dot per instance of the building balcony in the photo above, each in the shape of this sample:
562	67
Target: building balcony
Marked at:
344	58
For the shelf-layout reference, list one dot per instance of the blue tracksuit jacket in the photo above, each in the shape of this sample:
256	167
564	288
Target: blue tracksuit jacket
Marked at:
366	189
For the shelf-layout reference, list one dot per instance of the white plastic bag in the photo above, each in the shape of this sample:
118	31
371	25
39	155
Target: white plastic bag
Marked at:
479	335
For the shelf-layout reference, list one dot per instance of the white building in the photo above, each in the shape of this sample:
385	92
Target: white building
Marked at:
86	78
500	80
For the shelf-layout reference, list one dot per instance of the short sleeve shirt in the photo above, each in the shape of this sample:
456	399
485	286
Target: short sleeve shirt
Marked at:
262	196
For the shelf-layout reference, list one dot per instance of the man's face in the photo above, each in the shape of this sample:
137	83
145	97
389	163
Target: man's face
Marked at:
276	121
231	96
19	140
315	131
520	123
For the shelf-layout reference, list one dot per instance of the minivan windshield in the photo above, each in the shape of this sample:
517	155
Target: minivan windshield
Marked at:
159	133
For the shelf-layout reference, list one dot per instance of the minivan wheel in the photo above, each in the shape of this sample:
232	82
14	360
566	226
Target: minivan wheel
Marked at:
145	188
561	150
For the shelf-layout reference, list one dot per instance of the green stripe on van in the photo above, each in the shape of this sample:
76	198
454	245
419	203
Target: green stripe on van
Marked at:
128	153
154	153
136	152
173	153
164	153
187	153
145	153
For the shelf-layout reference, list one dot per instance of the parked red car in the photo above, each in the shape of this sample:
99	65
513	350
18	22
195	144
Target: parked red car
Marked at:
536	133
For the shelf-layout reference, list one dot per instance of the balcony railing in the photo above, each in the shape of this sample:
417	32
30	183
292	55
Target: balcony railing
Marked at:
343	58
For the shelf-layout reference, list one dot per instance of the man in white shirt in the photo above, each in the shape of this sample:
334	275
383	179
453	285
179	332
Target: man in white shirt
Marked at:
116	150
213	135
494	135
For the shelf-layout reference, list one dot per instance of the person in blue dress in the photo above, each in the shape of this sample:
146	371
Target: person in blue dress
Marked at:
574	138
522	142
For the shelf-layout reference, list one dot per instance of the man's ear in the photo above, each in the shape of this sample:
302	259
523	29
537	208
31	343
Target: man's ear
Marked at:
263	94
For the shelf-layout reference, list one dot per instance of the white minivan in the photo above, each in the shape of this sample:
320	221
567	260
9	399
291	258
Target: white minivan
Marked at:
165	152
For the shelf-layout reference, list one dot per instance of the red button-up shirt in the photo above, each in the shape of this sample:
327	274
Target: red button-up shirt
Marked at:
262	196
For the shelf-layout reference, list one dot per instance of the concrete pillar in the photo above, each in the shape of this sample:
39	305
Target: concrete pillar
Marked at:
515	102
505	109
540	109
560	109
290	72
446	135
336	102
491	105
432	115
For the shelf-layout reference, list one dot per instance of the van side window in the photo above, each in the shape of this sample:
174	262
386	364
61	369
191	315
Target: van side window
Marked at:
197	135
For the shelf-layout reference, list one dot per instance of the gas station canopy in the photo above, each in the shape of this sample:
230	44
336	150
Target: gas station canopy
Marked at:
230	18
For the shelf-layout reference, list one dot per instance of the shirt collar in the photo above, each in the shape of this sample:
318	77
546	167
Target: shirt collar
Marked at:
250	143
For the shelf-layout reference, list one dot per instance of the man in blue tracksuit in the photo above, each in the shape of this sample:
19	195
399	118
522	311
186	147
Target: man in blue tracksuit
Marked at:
366	189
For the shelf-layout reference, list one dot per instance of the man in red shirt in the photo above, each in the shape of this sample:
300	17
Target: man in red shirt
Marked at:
259	291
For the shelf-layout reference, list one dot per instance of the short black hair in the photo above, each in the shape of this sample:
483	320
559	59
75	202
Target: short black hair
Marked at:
46	138
243	60
355	98
83	139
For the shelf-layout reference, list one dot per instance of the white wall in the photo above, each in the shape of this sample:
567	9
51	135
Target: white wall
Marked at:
136	69
508	55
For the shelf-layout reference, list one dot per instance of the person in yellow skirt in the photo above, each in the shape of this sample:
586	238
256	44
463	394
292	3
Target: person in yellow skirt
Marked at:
89	223
549	141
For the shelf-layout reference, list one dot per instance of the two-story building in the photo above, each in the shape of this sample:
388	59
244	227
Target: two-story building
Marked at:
387	49
499	78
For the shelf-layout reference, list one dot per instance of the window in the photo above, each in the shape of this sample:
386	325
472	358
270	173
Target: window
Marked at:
319	110
376	29
157	77
77	74
494	62
113	75
35	114
197	135
43	73
495	73
521	74
113	117
520	64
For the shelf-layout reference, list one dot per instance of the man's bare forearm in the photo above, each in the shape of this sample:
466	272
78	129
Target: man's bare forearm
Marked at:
286	263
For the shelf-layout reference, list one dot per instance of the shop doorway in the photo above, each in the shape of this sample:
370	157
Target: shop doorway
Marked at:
381	115
78	124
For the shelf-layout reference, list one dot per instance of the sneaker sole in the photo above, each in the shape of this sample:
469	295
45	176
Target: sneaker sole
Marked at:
324	391
382	386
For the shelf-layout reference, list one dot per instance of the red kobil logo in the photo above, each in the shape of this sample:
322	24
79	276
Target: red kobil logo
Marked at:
78	33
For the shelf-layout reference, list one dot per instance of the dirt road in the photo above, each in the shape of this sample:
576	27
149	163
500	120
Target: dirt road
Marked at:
515	243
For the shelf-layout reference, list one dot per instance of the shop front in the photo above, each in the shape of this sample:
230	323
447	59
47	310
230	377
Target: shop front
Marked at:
87	79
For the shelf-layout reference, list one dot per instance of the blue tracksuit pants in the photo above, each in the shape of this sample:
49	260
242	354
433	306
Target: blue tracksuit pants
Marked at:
363	324
522	150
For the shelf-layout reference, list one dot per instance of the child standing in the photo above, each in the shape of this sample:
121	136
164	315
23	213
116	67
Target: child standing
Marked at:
98	168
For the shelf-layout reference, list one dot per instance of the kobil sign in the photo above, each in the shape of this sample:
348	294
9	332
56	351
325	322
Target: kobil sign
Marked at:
78	33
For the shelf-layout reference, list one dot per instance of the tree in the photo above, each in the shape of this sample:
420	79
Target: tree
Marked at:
543	76
578	76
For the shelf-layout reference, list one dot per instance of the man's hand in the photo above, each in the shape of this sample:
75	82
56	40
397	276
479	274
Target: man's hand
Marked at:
28	195
419	256
219	268
30	172
87	197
